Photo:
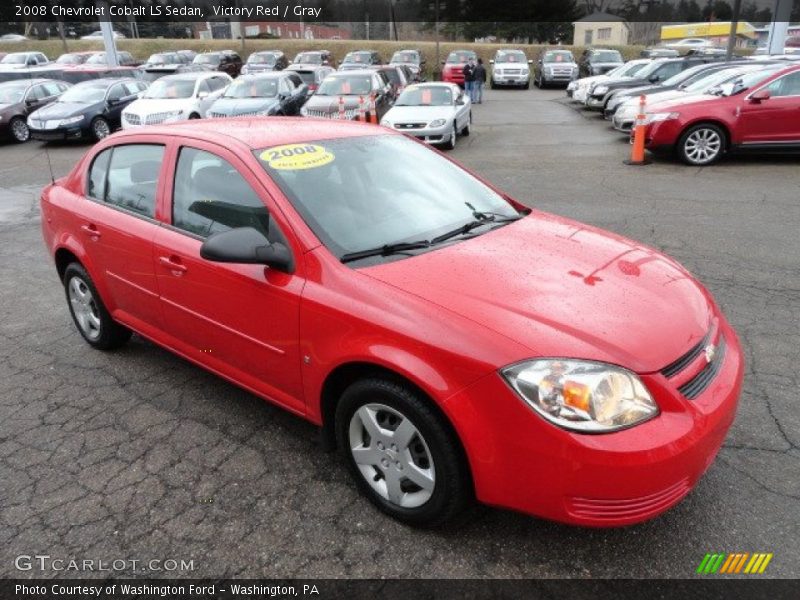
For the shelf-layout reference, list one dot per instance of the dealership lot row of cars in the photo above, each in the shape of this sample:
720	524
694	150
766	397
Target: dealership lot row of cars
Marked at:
700	107
174	86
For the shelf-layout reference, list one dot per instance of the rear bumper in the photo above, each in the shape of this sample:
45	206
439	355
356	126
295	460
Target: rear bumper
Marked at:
522	463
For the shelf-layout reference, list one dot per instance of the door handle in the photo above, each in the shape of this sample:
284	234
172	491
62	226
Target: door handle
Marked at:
173	264
91	229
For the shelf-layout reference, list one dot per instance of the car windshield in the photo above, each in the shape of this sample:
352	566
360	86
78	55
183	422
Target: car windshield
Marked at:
606	56
253	88
262	59
309	58
558	56
405	57
425	96
709	80
97	59
85	93
627	70
649	69
355	85
162	59
14	59
307	77
207	59
689	76
69	59
461	57
744	82
12	93
176	88
366	192
357	57
510	56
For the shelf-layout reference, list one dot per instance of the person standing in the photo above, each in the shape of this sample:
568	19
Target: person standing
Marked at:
469	77
477	85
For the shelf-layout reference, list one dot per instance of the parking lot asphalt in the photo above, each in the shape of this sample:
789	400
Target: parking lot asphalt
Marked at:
139	455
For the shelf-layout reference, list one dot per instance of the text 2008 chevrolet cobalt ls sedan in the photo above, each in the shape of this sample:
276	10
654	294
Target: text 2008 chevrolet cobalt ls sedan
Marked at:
452	343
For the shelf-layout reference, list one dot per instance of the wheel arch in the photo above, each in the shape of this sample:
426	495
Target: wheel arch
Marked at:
710	121
348	373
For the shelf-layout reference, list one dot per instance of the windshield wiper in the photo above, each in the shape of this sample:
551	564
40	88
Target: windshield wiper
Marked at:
385	250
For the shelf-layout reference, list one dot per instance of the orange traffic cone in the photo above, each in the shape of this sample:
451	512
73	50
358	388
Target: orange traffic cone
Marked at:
362	116
639	132
341	108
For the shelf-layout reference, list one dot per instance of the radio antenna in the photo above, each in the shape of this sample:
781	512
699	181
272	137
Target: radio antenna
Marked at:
49	164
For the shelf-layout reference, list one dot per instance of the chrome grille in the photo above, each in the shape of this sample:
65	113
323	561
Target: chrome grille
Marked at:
157	118
410	125
216	115
684	361
348	114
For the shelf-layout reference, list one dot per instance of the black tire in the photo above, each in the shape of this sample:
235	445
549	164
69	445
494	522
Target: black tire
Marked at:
493	85
468	127
450	144
100	129
109	334
452	488
527	85
19	130
716	139
194	116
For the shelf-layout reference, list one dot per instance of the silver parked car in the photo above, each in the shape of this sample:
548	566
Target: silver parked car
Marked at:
436	113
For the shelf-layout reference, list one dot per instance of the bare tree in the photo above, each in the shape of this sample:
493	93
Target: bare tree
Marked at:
593	6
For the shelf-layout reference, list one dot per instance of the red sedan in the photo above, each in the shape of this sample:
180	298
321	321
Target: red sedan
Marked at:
452	343
758	112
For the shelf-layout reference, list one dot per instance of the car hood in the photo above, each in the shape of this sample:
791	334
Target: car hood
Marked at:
329	104
645	89
417	113
685	100
61	110
564	289
236	106
147	106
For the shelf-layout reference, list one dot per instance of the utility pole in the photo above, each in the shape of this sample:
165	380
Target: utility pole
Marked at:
737	11
438	54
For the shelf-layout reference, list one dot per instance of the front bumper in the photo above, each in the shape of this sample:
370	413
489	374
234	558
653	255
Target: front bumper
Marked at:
623	122
523	463
511	80
595	102
429	135
72	132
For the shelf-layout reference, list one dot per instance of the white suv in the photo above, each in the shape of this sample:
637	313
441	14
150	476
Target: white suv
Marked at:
512	68
176	98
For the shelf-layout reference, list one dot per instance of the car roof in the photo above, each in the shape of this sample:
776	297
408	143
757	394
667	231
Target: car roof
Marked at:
29	82
274	131
106	81
189	76
350	72
266	75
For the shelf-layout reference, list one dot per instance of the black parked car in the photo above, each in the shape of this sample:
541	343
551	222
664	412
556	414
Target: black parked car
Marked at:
657	71
89	109
20	98
350	86
266	60
264	94
413	60
358	59
599	61
226	61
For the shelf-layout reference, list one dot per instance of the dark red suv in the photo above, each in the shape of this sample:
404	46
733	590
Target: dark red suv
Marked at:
759	111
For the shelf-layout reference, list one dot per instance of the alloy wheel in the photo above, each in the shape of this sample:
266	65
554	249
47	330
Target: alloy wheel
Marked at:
392	455
84	308
20	131
702	146
101	129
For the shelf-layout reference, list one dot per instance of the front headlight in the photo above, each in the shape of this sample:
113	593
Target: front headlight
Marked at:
71	121
173	114
524	71
437	123
386	123
583	396
601	89
662	116
304	111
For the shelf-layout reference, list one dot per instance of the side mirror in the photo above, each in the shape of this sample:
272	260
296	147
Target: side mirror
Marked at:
460	101
760	96
247	245
654	79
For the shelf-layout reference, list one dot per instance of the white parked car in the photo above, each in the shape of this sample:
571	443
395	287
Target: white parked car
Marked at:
12	37
578	90
98	35
512	68
21	60
176	98
690	44
436	113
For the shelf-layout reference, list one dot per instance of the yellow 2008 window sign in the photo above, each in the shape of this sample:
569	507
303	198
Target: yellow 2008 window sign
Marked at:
294	157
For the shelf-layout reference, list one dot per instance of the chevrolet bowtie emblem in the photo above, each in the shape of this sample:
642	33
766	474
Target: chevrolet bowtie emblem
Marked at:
710	351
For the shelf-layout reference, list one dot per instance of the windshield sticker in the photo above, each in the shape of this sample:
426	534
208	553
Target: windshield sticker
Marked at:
296	157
